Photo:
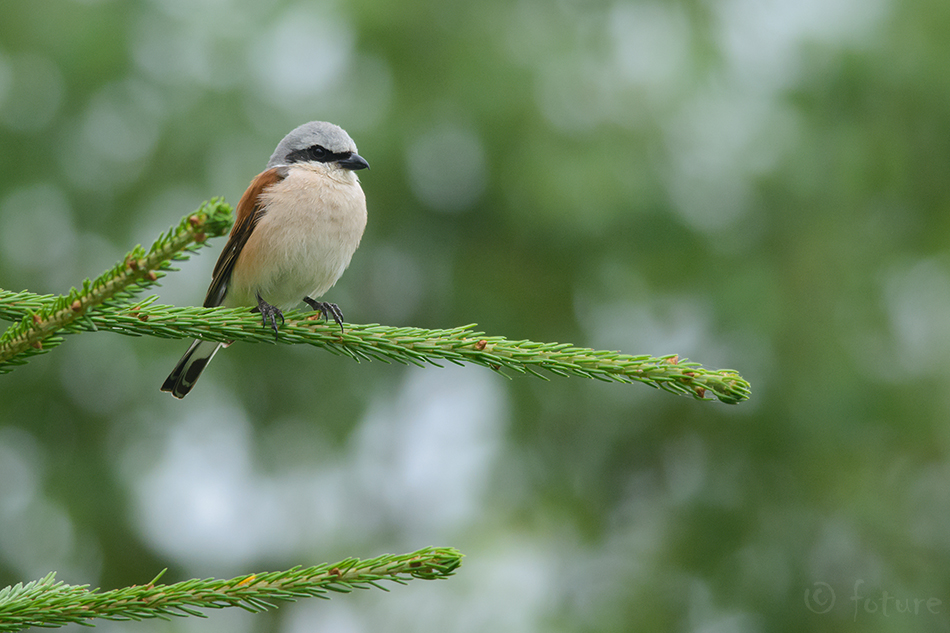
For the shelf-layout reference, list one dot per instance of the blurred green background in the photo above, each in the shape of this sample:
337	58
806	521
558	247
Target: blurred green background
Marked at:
762	185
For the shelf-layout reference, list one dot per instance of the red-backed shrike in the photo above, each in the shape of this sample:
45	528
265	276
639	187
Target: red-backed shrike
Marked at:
298	224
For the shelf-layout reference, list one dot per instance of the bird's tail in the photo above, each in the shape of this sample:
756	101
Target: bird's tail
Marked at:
186	372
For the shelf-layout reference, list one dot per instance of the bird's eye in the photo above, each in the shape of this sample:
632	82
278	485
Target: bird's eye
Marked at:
318	153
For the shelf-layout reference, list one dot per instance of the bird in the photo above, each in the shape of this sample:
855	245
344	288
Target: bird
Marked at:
297	227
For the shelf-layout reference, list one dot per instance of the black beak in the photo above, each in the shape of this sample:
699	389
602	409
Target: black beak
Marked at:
353	162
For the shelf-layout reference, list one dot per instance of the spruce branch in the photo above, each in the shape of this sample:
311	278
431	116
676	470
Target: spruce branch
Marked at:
407	345
99	306
47	603
42	318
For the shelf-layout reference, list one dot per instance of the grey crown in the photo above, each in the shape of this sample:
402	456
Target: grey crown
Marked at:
329	136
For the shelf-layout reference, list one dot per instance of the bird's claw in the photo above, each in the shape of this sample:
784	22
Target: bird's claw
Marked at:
326	310
269	312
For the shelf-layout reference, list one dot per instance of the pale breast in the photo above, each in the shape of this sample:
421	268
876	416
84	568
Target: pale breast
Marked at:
313	223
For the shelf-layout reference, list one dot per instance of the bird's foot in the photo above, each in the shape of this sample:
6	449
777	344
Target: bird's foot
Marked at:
326	310
269	312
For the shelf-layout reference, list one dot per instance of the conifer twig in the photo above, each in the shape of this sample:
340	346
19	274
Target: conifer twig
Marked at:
96	308
35	333
407	345
47	603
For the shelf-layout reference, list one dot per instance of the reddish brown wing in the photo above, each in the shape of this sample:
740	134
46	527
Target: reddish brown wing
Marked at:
249	212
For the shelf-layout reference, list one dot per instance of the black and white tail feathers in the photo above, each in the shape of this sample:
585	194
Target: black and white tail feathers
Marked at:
189	368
